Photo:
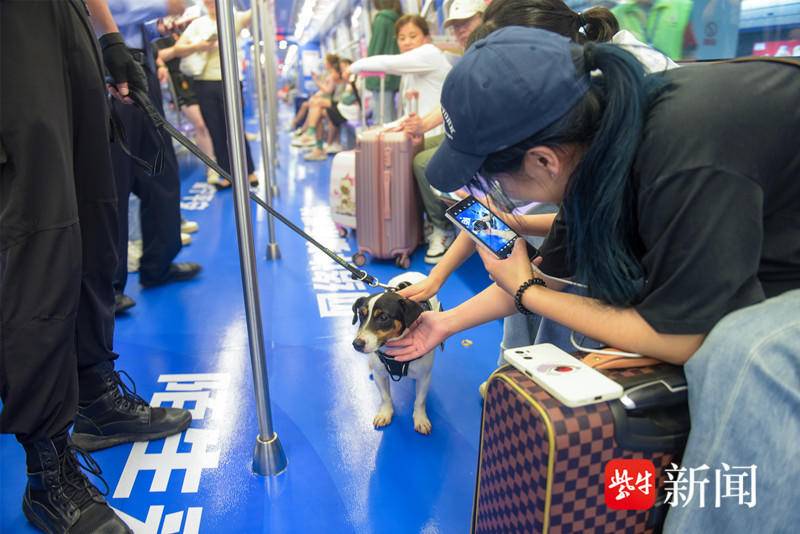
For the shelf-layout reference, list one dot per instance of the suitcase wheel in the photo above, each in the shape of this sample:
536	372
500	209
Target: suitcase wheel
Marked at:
359	259
402	261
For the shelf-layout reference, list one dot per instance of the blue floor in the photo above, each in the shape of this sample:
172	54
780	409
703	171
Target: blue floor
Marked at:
343	475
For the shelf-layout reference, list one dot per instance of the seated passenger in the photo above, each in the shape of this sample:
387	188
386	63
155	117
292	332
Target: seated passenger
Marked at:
326	83
464	16
423	67
345	97
672	217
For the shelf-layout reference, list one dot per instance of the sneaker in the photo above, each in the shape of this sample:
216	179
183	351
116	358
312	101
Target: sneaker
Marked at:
134	255
189	227
315	155
304	140
186	239
60	498
121	416
438	243
212	177
333	148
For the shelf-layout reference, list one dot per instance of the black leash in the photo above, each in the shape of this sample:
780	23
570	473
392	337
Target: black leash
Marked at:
143	102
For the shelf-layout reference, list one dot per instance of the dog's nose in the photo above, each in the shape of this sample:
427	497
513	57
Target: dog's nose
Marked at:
359	343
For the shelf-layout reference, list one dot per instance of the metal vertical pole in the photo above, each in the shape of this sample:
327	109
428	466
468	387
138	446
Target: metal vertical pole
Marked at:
269	458
271	72
267	145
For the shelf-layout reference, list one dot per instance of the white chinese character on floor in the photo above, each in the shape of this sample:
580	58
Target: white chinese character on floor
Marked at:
189	388
337	304
623	484
338	279
680	489
172	522
169	460
735	484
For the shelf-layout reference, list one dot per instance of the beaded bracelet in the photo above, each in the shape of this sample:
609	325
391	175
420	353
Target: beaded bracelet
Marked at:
521	291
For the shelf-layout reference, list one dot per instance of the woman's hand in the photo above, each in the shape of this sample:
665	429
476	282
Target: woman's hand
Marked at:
412	125
162	73
422	291
425	334
511	272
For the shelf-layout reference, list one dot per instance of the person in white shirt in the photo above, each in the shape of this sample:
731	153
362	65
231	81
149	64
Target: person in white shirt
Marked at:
423	67
463	17
200	37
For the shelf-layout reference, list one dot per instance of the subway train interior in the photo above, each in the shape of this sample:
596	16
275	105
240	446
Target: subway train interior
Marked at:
288	367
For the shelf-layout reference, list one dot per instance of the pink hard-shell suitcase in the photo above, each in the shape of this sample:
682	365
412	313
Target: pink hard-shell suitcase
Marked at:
388	217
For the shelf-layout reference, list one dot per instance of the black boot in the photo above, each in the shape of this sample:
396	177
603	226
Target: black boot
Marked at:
60	499
119	415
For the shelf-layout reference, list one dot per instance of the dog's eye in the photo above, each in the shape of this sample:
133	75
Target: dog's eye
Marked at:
381	317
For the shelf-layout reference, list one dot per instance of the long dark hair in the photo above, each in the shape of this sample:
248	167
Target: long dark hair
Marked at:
598	23
599	206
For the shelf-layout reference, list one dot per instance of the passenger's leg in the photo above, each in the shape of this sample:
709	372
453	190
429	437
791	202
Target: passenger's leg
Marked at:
202	134
209	96
160	196
744	400
53	102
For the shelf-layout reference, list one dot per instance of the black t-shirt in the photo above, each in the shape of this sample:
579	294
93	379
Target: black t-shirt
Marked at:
717	177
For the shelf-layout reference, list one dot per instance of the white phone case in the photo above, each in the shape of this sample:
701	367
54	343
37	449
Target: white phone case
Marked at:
562	375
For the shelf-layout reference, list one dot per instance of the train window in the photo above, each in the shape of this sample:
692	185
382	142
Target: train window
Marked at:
709	29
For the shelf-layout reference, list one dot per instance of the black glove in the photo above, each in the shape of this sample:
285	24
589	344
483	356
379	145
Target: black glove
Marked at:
120	63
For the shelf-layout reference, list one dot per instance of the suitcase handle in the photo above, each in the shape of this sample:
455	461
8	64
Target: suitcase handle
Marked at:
387	182
663	388
653	413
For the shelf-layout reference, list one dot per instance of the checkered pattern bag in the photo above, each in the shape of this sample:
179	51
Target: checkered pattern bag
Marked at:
542	464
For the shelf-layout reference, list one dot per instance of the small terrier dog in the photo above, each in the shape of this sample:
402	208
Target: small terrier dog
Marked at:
385	317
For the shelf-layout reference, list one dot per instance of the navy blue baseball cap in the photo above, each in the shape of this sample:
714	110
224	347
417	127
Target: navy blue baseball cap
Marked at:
508	86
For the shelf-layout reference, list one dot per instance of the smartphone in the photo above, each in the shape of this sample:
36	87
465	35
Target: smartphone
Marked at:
563	376
485	227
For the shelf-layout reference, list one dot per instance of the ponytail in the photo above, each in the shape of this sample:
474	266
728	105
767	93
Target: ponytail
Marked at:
599	204
600	24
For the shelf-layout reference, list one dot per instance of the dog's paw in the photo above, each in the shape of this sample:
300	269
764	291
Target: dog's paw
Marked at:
383	417
422	424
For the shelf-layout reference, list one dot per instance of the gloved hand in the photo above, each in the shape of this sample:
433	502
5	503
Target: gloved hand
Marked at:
125	72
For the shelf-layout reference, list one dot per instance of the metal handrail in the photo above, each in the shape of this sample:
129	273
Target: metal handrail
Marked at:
269	458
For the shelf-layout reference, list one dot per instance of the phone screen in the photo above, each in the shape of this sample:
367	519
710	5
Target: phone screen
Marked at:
484	225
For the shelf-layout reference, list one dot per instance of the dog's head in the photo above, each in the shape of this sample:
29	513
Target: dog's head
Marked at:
382	317
480	226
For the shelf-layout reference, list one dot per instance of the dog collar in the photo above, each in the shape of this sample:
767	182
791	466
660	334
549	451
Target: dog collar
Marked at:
397	370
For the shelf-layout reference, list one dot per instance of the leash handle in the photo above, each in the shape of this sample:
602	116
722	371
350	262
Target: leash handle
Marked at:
143	102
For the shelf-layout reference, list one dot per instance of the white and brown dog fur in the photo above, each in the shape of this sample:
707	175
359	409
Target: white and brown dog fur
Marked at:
383	317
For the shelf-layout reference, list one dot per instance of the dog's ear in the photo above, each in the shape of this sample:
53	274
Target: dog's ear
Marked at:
410	312
356	305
